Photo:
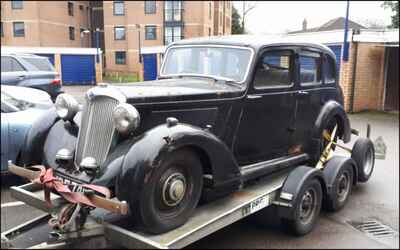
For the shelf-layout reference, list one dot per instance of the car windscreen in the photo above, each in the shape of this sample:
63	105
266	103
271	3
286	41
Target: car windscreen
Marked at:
41	64
225	62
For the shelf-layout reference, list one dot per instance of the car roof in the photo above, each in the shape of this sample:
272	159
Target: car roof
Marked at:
21	55
254	41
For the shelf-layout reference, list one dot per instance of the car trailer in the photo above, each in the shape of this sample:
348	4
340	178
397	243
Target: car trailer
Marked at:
105	229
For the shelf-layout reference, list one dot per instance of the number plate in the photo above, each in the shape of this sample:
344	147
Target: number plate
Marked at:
256	205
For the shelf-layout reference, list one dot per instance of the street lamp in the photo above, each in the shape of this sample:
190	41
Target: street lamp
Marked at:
140	47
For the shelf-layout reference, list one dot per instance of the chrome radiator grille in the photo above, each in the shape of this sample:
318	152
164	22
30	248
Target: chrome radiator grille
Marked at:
96	130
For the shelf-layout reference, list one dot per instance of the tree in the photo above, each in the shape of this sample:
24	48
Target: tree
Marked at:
237	27
394	5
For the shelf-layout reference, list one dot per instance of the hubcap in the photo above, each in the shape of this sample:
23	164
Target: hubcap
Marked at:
343	187
174	189
307	206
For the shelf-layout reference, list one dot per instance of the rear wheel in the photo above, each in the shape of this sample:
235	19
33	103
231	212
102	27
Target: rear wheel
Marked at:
341	189
170	194
306	209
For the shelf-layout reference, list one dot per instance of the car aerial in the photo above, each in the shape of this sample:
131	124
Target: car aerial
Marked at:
26	115
224	112
29	70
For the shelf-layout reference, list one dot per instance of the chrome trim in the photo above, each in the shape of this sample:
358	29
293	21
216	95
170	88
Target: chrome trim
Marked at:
108	91
208	45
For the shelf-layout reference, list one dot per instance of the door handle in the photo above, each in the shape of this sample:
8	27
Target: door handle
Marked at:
21	77
302	93
252	97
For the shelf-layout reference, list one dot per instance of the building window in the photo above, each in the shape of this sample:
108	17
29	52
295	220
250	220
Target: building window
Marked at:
81	7
119	8
71	33
150	32
16	5
1	29
173	11
120	57
70	9
172	34
149	7
209	31
19	29
119	33
209	10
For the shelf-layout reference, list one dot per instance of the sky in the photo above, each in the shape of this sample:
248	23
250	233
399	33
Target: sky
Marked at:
272	17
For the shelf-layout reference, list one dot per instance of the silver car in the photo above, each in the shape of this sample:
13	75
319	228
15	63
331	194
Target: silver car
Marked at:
26	116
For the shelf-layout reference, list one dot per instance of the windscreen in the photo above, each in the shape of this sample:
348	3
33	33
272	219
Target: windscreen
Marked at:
41	64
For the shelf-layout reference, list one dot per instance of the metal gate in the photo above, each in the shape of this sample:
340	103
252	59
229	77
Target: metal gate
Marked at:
78	69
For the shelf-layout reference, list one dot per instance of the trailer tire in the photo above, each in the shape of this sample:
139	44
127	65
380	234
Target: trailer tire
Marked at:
170	195
304	219
363	154
341	184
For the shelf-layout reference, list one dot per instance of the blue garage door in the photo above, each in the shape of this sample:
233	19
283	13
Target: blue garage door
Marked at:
49	56
337	49
78	69
150	67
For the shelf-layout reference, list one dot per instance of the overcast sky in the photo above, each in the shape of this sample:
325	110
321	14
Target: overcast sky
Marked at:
271	17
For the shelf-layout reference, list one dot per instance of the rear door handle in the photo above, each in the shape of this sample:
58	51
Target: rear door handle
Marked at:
302	93
21	77
252	97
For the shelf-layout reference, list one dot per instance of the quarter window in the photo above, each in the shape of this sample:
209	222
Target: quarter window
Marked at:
329	70
70	9
149	7
310	68
151	33
9	64
119	33
119	8
120	57
71	33
15	5
273	70
19	29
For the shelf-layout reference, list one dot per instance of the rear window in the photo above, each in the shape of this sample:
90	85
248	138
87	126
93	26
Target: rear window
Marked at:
41	64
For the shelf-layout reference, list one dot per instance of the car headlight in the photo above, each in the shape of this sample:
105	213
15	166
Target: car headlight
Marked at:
126	118
66	106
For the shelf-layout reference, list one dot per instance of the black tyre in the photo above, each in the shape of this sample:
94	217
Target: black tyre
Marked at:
171	193
306	209
363	154
341	189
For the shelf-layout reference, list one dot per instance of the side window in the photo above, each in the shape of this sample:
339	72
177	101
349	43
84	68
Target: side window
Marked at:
329	70
16	66
9	64
310	68
274	70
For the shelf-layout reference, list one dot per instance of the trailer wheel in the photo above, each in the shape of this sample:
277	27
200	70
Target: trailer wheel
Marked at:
306	208
363	154
341	187
171	193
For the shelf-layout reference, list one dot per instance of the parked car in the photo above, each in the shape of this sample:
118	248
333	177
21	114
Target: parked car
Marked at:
26	116
30	71
224	112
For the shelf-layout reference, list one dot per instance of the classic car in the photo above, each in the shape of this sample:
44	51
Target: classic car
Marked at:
222	113
26	116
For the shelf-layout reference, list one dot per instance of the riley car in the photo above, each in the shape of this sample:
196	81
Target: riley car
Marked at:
222	113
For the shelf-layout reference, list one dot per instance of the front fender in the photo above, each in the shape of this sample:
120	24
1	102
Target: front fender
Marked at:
149	151
329	111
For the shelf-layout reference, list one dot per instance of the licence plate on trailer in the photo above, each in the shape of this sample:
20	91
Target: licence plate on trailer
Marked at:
257	205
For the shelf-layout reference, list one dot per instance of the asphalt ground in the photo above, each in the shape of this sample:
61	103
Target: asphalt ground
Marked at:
378	199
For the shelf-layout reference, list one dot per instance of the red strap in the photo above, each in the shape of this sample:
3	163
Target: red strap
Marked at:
50	182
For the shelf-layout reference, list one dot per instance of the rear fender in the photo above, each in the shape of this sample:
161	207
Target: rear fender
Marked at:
150	149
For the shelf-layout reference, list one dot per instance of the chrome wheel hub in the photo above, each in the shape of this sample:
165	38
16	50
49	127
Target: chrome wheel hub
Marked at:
174	189
307	206
343	187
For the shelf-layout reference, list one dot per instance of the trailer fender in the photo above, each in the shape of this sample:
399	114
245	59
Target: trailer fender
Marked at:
332	168
150	150
292	186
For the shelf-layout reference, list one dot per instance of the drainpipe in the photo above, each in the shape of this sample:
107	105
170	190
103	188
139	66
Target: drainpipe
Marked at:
353	78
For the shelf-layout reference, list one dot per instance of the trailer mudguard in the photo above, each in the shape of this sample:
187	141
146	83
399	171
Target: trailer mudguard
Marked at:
292	186
332	168
333	110
150	149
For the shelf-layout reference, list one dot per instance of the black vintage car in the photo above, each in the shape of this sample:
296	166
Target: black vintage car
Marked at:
223	112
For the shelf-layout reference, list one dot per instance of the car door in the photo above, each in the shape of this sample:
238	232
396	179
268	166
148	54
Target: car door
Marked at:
267	117
12	72
4	141
308	95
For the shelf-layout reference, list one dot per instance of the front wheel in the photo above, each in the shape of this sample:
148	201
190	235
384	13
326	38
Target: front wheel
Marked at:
170	194
306	209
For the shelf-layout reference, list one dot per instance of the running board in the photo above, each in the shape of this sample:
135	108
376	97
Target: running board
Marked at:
260	169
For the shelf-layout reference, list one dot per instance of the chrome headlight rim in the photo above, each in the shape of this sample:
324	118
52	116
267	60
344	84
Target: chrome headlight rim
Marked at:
126	118
66	106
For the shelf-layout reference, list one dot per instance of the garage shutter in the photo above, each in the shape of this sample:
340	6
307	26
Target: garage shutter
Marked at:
337	49
49	56
78	69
